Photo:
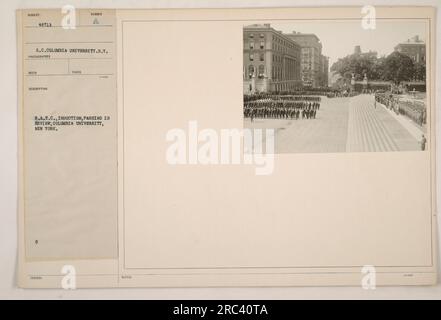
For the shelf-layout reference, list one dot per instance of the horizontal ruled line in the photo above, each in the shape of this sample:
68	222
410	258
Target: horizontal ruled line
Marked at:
83	26
68	58
66	42
70	74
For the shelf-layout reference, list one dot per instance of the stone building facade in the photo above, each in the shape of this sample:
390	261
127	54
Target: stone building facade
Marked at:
271	60
415	48
311	58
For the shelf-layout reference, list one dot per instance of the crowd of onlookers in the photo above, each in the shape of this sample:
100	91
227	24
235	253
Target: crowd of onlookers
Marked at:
415	110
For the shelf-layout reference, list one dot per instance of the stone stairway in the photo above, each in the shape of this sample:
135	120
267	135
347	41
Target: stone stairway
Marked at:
373	129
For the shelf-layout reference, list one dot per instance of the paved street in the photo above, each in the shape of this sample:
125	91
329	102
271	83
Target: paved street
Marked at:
343	124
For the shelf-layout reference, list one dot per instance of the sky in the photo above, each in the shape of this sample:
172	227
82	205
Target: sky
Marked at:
339	37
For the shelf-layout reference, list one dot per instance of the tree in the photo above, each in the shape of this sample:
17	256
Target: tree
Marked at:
398	67
358	65
420	71
376	72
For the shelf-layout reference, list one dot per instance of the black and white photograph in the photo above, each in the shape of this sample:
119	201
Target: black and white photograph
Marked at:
336	86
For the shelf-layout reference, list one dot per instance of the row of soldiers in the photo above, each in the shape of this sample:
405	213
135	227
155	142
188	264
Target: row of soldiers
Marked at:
272	97
299	98
281	110
414	110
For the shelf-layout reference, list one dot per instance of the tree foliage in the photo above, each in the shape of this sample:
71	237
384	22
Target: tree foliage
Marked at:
396	67
420	70
357	64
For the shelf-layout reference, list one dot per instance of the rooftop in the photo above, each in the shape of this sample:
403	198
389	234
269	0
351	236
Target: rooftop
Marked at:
413	40
304	35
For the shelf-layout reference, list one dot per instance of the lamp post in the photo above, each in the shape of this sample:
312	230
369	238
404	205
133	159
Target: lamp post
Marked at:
365	83
353	83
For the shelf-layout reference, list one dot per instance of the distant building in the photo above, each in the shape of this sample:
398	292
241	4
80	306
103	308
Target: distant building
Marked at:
357	50
311	58
271	60
414	47
335	79
324	72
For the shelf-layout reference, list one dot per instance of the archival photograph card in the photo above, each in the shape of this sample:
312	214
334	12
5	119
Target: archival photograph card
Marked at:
213	147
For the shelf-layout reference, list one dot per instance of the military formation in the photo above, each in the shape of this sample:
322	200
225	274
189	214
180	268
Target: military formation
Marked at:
283	107
271	96
415	110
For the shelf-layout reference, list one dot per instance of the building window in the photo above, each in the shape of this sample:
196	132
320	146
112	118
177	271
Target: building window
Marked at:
251	35
262	44
262	57
261	71
262	35
251	71
251	57
252	45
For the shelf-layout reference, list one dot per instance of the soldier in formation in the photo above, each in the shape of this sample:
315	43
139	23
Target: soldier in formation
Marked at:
281	109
